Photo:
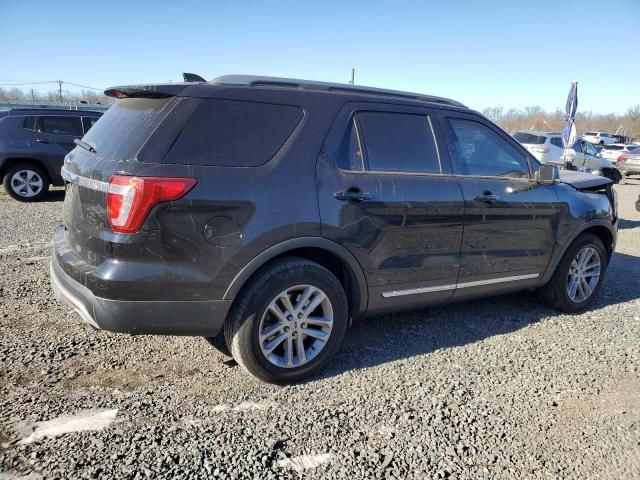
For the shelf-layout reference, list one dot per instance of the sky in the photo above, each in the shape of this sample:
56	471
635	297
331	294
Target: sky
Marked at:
507	53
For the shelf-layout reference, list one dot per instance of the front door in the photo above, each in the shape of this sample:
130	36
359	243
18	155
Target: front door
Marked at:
510	220
383	196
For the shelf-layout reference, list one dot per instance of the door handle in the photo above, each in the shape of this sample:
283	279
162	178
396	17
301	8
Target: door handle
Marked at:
352	196
486	197
42	140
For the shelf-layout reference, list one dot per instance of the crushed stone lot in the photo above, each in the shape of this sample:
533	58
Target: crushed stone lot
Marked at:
498	388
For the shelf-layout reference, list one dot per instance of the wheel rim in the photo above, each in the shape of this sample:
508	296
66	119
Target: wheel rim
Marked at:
584	274
296	326
26	183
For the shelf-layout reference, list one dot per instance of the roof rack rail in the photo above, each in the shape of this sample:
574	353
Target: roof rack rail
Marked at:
260	81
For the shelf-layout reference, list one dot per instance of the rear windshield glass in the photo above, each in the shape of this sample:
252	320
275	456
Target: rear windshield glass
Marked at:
614	147
530	138
121	132
593	134
232	133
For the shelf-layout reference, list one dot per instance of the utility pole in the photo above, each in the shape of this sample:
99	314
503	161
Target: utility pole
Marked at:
60	90
353	77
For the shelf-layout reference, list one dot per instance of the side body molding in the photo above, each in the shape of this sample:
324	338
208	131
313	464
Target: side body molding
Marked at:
296	243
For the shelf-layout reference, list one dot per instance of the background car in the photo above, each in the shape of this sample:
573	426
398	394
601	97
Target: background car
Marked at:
545	146
629	163
613	151
33	143
599	138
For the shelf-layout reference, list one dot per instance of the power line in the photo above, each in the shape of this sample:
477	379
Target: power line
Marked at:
49	82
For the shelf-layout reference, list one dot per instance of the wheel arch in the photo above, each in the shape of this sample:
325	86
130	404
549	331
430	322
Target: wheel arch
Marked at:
598	227
9	162
334	257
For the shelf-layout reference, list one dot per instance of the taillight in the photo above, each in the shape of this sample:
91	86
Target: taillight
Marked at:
130	199
622	158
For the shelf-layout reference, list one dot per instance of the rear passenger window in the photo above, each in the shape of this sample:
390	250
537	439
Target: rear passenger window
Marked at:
477	150
233	133
88	122
557	141
29	123
61	125
398	142
351	156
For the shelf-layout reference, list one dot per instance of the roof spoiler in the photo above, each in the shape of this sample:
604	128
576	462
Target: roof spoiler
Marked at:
192	77
146	91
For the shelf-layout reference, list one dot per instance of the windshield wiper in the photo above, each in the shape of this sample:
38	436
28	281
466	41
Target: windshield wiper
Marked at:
86	145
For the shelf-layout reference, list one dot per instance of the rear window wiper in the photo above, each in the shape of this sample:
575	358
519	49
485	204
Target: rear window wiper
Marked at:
86	145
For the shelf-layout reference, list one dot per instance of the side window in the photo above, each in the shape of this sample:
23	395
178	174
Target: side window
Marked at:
590	149
477	150
60	125
232	133
29	123
557	141
398	142
88	122
577	147
350	156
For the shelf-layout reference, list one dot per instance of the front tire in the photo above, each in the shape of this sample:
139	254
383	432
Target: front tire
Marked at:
288	322
26	182
578	277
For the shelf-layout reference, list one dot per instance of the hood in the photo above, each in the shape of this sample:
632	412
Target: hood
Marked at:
582	180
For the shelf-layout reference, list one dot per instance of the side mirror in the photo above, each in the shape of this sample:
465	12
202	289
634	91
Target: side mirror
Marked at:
547	174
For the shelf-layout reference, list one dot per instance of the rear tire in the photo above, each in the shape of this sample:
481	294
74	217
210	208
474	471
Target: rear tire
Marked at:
557	293
26	182
219	343
288	322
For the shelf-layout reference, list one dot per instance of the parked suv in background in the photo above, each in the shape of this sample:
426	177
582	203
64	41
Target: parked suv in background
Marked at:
33	144
599	138
266	213
548	148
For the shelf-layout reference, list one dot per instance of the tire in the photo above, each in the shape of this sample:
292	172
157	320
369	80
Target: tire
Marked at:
556	293
26	182
219	343
612	174
320	331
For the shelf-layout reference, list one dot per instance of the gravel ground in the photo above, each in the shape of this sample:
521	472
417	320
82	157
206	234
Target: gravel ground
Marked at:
499	388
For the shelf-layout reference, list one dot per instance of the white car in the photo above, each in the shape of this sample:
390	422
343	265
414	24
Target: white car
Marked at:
545	146
548	148
599	138
613	151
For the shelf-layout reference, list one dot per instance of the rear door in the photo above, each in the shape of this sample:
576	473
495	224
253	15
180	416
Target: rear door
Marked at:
386	197
54	139
509	219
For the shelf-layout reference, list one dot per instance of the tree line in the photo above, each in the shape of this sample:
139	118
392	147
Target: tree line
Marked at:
17	95
536	118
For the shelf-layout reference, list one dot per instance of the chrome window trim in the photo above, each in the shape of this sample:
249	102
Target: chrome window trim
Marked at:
440	288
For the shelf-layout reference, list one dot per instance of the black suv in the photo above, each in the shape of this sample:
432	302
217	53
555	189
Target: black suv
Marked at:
265	214
33	143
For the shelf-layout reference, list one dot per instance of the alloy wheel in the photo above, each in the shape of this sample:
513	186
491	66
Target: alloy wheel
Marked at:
295	326
27	183
584	274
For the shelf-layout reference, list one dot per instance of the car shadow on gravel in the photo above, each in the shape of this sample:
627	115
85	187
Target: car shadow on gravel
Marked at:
53	196
628	224
392	337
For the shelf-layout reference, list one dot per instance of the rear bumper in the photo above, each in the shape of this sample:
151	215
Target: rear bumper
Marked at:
197	318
